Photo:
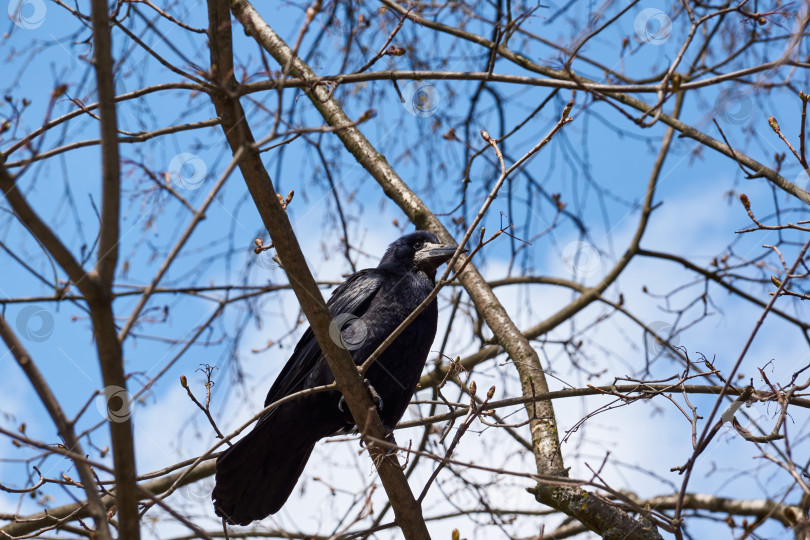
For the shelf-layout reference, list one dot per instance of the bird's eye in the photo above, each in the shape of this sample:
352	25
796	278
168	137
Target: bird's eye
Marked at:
417	246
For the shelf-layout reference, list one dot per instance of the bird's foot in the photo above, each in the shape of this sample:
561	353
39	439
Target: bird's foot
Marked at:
375	397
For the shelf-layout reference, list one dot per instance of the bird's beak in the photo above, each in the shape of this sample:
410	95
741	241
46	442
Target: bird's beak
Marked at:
434	255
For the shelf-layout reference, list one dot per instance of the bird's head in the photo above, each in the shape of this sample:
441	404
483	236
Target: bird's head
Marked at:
420	251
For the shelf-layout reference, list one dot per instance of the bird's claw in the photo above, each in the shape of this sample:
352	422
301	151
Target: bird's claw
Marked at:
375	397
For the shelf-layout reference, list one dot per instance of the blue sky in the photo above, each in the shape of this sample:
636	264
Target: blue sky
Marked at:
599	164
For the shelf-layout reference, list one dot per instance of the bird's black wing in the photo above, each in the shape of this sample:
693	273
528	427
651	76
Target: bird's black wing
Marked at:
351	297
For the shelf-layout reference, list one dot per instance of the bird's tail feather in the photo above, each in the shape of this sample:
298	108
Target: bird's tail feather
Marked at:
257	474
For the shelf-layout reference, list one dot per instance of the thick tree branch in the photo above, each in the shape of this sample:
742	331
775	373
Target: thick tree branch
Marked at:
100	298
110	160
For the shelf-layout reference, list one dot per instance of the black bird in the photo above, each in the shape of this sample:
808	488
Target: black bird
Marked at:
257	474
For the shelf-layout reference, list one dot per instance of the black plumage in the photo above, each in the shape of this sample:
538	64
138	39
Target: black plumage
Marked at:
256	475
